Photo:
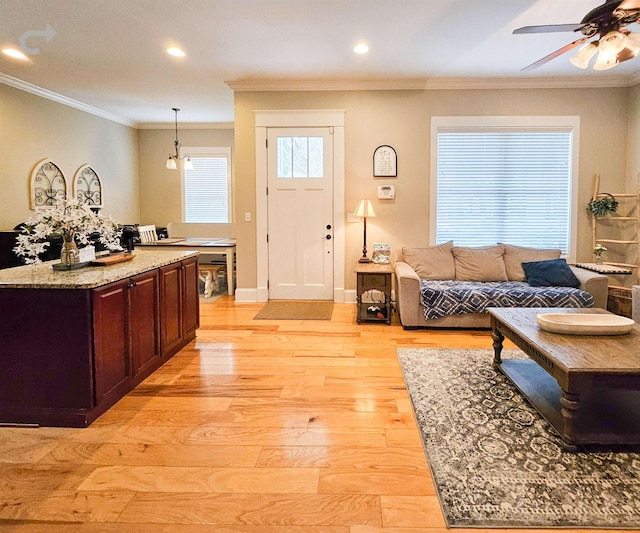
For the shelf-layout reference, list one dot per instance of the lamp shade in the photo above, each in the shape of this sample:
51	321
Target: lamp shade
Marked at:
171	164
582	58
188	164
365	209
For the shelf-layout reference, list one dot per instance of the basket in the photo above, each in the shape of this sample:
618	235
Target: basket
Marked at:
619	301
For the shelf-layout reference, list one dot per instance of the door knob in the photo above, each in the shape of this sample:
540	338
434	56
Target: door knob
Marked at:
328	226
328	237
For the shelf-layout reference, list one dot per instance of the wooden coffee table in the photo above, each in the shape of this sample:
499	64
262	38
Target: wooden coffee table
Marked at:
586	386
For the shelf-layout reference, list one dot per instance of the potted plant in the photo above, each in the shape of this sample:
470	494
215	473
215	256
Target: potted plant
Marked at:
600	207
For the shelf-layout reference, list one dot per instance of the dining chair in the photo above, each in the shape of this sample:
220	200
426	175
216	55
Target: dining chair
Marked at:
148	233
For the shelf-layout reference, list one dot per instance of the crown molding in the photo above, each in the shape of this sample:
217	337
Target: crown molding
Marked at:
55	97
186	125
569	82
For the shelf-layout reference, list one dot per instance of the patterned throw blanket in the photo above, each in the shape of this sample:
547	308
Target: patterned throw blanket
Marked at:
441	298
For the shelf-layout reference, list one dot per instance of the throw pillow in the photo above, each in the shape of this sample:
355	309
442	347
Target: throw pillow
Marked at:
550	273
514	256
432	263
479	264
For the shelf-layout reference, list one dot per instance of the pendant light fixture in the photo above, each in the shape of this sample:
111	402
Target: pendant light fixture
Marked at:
172	162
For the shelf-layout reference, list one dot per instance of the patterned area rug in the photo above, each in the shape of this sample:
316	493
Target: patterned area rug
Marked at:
497	463
295	310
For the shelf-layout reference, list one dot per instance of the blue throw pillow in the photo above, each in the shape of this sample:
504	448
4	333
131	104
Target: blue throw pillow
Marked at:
550	273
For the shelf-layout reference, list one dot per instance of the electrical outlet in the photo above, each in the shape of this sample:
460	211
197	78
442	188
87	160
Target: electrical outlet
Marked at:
247	217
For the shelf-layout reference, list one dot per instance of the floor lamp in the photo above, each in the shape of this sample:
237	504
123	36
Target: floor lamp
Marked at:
364	210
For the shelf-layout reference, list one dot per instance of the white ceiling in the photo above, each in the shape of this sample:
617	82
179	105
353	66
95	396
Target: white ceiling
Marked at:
110	54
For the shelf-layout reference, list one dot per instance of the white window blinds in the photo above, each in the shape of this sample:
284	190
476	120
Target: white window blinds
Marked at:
504	186
207	188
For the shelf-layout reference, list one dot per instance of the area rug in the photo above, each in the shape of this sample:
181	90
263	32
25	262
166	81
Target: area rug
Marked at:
295	310
497	463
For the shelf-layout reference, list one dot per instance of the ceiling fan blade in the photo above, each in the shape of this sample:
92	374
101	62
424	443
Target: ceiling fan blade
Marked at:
555	54
550	28
628	5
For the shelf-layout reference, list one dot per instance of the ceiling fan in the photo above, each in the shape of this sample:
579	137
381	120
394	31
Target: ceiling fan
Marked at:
606	21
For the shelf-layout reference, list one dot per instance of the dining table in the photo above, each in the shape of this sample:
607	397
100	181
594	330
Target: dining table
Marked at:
215	245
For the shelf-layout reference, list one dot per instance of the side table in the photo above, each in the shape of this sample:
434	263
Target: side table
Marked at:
373	276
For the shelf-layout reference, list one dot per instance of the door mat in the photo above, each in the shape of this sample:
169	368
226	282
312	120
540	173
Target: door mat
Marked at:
295	310
497	463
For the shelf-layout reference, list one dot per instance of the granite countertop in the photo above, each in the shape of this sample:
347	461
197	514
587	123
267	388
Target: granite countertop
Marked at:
42	276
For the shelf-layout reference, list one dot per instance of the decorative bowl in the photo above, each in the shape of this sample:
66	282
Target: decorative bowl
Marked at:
585	324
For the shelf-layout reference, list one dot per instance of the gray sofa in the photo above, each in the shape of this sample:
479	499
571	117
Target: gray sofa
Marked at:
446	262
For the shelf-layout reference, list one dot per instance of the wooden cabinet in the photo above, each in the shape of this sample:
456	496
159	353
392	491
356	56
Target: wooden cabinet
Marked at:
70	354
179	304
191	298
125	332
144	324
110	333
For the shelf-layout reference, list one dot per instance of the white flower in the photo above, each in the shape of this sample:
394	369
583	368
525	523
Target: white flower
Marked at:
72	221
598	249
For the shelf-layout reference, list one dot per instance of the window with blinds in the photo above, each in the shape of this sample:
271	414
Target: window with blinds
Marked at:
207	186
505	184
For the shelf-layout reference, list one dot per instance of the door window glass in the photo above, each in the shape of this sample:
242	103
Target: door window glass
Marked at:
300	157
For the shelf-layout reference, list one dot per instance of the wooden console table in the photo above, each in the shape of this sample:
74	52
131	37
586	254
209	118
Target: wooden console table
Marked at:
586	386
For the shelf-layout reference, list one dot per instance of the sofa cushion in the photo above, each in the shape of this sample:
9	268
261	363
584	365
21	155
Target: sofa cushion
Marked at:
551	273
434	262
479	264
514	256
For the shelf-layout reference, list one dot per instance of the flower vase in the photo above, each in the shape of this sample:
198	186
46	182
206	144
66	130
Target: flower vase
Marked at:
598	259
69	255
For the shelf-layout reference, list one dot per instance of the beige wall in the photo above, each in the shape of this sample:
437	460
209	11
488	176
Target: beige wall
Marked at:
160	188
402	120
137	187
633	159
34	128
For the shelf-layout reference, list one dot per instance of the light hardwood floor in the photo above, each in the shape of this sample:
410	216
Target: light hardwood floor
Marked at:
257	426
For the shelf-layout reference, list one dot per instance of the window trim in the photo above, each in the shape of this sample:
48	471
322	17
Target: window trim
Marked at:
208	151
505	123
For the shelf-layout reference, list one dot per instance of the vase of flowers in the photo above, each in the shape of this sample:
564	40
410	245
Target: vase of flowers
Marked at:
598	250
75	223
69	254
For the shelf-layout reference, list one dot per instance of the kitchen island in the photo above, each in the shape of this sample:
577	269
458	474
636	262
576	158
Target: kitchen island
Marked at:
72	343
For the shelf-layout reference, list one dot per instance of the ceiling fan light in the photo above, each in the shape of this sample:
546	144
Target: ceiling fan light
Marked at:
633	43
584	55
605	61
613	42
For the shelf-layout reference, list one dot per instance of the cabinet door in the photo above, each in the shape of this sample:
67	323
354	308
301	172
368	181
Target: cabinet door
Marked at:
144	341
111	334
170	308
191	298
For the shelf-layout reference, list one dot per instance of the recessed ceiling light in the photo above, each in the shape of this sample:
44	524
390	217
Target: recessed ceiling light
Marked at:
12	52
175	52
361	48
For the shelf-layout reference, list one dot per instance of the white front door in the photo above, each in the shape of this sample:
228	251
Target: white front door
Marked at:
300	213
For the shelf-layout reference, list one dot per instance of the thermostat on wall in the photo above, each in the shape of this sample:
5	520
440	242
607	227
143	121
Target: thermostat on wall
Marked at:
386	192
